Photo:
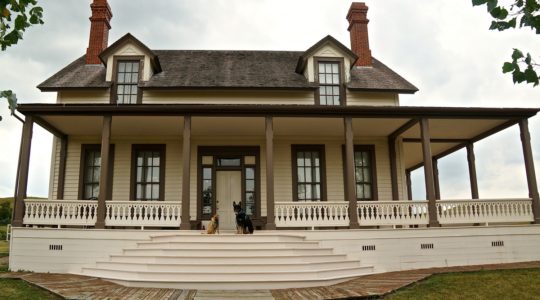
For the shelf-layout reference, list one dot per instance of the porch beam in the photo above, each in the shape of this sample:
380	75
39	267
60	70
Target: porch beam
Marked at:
349	174
409	184
186	161
436	182
270	216
403	128
393	167
22	172
428	173
471	160
529	168
446	141
49	127
62	168
104	171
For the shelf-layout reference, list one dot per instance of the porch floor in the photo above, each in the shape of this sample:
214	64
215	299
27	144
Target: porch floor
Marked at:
81	287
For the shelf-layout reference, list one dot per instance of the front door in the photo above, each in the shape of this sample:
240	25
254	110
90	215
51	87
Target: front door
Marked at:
229	189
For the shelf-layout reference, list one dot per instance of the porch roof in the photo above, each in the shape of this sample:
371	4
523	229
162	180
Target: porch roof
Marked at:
451	128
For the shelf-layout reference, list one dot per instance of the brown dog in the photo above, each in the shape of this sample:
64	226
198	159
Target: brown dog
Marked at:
213	225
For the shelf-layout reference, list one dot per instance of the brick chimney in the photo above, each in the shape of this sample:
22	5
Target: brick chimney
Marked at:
358	22
99	30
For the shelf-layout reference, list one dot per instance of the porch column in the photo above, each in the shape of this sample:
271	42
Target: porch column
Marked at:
472	171
22	172
409	185
350	193
270	216
428	173
104	171
393	167
529	168
62	168
436	179
186	161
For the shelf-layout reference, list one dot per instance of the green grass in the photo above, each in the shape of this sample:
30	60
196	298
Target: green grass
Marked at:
500	284
18	289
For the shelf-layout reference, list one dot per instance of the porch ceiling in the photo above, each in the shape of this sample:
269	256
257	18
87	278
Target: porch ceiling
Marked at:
228	126
121	125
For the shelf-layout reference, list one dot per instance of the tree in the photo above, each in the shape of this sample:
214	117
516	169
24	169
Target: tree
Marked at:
522	13
15	17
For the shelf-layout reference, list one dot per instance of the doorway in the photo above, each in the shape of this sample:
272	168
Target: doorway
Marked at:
229	189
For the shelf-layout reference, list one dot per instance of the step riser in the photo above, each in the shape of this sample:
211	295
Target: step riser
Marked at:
225	238
227	252
232	268
229	260
216	277
226	246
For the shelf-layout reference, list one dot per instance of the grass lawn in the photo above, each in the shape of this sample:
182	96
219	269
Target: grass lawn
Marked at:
500	284
18	289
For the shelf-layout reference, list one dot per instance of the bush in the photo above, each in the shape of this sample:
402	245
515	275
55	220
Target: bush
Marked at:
5	213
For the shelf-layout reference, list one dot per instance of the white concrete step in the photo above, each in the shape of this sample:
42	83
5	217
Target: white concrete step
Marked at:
218	245
227	267
228	252
268	259
214	277
225	237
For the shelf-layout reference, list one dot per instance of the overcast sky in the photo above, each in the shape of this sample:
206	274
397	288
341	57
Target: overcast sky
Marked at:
443	47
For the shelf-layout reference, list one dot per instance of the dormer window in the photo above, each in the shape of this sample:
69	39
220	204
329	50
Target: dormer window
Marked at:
330	78
126	89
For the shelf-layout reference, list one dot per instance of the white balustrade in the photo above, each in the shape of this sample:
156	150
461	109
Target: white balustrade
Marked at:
312	214
380	213
484	211
60	212
143	213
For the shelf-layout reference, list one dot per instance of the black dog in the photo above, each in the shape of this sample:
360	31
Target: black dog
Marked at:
243	222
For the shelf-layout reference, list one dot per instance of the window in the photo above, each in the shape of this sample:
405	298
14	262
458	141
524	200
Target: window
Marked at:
91	172
364	170
308	172
126	83
330	87
207	190
250	190
148	172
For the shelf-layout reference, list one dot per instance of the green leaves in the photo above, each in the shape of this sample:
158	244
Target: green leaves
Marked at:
15	17
11	98
526	13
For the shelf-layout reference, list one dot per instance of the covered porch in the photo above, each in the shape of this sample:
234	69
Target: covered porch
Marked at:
410	137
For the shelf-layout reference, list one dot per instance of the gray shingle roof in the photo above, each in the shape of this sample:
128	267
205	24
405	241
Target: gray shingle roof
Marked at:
187	69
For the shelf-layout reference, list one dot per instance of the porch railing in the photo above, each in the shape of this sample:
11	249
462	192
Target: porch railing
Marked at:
381	213
484	211
143	213
65	212
312	214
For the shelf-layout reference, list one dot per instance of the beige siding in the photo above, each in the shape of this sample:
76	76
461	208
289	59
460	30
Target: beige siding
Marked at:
229	97
372	99
73	161
100	96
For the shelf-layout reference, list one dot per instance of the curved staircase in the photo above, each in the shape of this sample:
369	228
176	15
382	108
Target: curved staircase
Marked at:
227	261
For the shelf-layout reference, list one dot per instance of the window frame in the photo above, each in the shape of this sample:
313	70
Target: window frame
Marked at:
82	168
342	90
373	161
114	76
295	148
135	148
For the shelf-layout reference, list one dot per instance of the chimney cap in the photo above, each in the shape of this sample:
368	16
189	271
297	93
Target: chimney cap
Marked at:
357	12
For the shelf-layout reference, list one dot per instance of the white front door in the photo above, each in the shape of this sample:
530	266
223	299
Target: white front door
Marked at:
229	189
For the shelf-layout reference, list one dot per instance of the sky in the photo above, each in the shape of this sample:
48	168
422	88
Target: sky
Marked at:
443	47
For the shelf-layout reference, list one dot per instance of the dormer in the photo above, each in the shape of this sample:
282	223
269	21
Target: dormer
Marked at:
128	62
328	64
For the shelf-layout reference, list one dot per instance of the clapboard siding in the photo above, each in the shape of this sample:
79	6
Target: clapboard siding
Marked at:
372	99
86	96
228	97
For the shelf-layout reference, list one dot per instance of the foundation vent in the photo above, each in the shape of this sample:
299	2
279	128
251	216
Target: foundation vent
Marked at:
368	248
55	247
426	246
497	244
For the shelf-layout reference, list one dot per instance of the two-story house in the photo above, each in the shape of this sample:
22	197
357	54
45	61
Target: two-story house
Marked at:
314	139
